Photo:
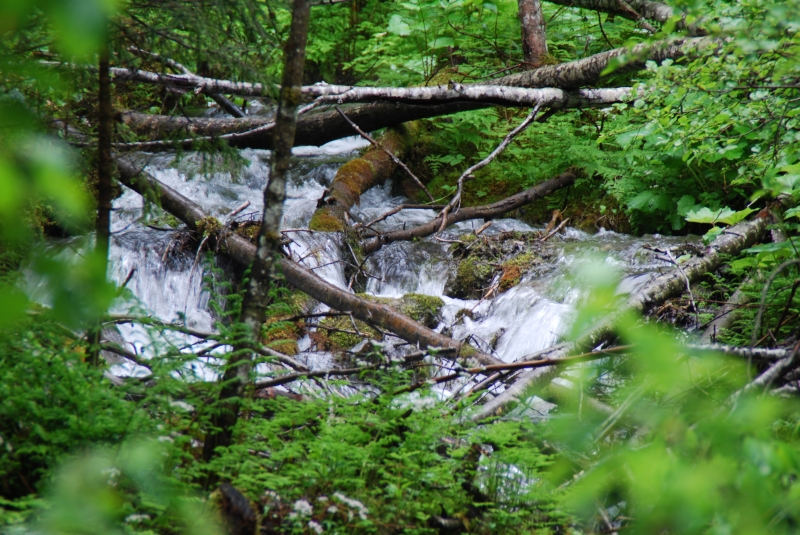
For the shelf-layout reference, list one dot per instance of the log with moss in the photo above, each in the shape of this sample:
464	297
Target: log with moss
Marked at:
242	251
357	176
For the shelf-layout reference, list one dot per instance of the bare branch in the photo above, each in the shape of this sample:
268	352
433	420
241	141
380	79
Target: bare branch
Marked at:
455	202
394	158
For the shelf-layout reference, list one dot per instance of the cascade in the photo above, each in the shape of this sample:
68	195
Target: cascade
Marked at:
167	278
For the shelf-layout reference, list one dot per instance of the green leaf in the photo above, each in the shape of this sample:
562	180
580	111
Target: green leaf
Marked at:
397	26
440	42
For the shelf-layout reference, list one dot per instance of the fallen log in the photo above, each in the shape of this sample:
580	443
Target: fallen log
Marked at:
731	242
319	128
587	71
312	129
565	76
358	175
242	251
487	211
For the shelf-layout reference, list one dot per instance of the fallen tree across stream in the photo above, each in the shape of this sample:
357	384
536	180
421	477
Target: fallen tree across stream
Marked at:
659	289
488	211
319	128
242	251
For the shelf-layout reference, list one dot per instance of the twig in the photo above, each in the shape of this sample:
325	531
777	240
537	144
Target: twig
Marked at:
482	228
481	370
238	210
762	306
398	209
555	230
456	200
394	158
688	285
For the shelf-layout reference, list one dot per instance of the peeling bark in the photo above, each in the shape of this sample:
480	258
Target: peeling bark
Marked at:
487	211
532	26
357	176
632	9
587	71
242	251
656	291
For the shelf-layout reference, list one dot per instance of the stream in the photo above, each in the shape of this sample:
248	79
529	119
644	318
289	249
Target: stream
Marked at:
167	279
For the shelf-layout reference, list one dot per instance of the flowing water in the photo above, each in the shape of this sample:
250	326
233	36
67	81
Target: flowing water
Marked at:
167	279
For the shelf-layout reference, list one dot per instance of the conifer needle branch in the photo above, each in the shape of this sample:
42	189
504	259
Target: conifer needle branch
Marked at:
455	202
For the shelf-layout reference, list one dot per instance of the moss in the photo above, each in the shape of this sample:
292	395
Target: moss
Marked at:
249	231
471	275
467	350
334	339
209	226
514	269
282	336
324	221
425	309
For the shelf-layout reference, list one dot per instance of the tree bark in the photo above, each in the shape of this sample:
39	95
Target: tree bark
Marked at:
532	26
264	269
487	211
105	189
656	291
632	9
319	128
357	176
242	251
105	162
587	71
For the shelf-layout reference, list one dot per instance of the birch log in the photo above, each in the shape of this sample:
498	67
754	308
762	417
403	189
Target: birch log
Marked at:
662	287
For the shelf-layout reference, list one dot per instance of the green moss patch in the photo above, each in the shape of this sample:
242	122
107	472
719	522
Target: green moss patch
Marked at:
514	269
324	221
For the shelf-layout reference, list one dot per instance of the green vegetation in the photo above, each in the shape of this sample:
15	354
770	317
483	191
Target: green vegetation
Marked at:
661	438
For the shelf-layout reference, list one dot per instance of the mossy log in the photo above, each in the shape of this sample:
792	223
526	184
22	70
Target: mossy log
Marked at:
242	251
357	176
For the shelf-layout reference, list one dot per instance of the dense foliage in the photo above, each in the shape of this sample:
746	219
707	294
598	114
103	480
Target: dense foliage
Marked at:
687	448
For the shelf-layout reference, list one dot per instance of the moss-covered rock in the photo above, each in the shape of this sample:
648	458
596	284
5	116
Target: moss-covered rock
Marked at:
336	333
472	275
425	309
514	269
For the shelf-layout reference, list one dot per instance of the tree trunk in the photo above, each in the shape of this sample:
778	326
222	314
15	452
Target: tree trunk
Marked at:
104	184
357	176
264	268
301	278
105	162
658	290
475	212
319	128
532	26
